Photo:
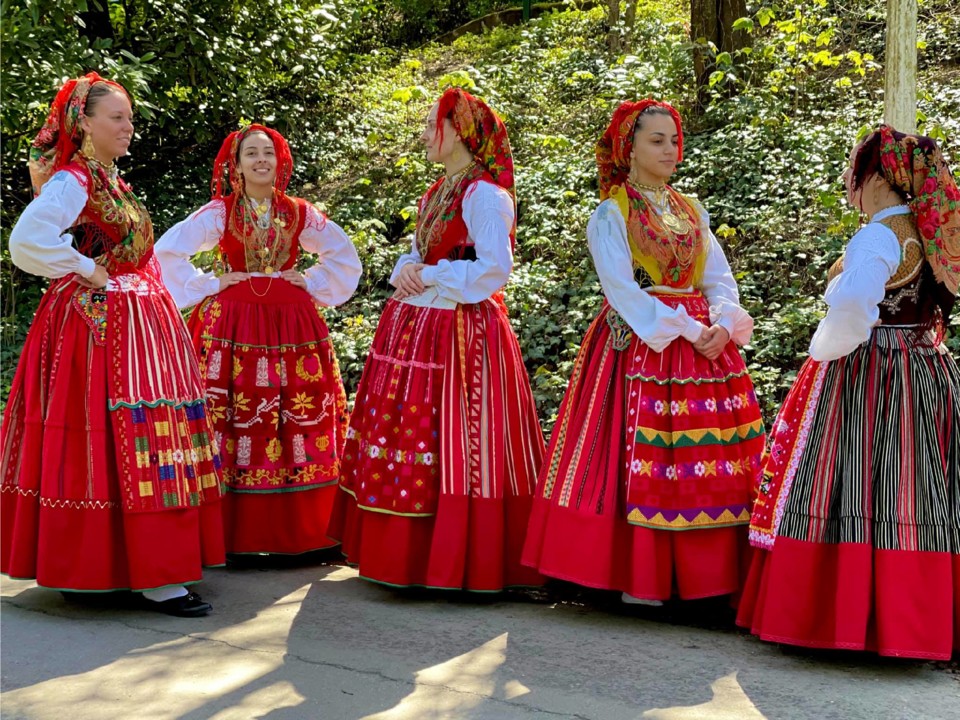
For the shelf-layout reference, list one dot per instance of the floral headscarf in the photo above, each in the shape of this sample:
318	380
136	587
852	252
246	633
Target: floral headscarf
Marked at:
226	162
615	145
914	165
61	136
482	131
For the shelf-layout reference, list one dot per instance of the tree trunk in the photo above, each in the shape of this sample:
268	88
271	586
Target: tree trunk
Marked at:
613	20
711	21
96	22
629	20
900	66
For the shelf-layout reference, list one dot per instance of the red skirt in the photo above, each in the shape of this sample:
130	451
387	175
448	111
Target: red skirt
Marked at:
442	452
278	409
65	507
857	519
648	475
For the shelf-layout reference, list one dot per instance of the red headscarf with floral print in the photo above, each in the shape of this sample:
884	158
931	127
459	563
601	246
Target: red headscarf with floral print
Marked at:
482	131
615	145
60	138
914	165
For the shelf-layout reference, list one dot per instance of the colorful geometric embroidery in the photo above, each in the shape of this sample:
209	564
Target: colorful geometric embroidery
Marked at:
92	306
787	444
704	436
286	479
169	444
660	519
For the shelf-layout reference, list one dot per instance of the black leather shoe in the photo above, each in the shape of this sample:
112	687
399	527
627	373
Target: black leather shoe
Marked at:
189	605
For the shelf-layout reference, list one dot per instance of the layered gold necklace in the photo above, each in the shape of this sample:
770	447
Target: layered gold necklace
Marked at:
264	248
436	205
666	205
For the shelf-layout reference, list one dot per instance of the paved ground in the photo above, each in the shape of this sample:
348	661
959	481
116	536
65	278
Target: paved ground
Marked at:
317	643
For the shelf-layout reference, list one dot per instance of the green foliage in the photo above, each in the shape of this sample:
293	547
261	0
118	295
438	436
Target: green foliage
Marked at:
765	157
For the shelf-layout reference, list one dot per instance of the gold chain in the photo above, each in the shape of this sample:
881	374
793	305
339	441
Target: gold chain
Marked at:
670	222
439	199
261	236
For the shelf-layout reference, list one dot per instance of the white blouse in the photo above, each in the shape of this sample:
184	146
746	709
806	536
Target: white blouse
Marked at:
38	243
488	214
653	321
331	281
853	297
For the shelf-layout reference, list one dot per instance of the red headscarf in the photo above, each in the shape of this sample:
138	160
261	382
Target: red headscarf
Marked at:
285	208
616	143
59	139
482	131
914	165
226	162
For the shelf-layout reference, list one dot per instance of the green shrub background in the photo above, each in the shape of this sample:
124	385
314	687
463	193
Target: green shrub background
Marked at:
350	82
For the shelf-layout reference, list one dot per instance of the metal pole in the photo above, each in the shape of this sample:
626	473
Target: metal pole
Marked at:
526	9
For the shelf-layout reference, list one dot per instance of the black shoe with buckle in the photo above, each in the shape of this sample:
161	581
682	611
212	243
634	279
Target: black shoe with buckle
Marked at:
189	605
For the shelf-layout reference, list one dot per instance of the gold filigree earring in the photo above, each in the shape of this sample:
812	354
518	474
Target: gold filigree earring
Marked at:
87	148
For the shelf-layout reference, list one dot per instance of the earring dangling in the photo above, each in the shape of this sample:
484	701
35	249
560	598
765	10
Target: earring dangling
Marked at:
87	148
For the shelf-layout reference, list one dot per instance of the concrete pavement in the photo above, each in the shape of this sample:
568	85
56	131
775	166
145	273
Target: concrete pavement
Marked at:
318	643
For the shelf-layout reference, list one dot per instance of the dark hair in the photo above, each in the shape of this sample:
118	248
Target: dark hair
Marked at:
652	110
97	92
867	163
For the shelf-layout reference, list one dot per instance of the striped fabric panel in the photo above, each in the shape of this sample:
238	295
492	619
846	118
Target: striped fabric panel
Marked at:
882	464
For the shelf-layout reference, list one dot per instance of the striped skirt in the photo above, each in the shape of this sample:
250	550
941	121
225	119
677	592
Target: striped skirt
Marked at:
442	452
649	472
108	471
857	519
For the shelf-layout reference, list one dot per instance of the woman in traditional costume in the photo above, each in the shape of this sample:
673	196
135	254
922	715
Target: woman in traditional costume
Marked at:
109	472
646	486
444	444
274	391
857	518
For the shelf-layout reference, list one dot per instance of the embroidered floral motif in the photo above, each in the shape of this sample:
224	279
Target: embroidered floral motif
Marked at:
263	372
244	448
213	365
299	452
274	450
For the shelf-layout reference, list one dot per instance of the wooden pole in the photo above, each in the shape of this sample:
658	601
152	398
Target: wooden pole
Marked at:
900	73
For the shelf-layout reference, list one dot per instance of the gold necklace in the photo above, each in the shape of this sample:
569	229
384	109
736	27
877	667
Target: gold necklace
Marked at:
124	200
261	230
664	203
437	201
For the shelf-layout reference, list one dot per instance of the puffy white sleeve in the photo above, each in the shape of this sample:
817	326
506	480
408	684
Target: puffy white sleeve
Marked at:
853	297
38	243
201	231
720	289
654	322
337	273
488	214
